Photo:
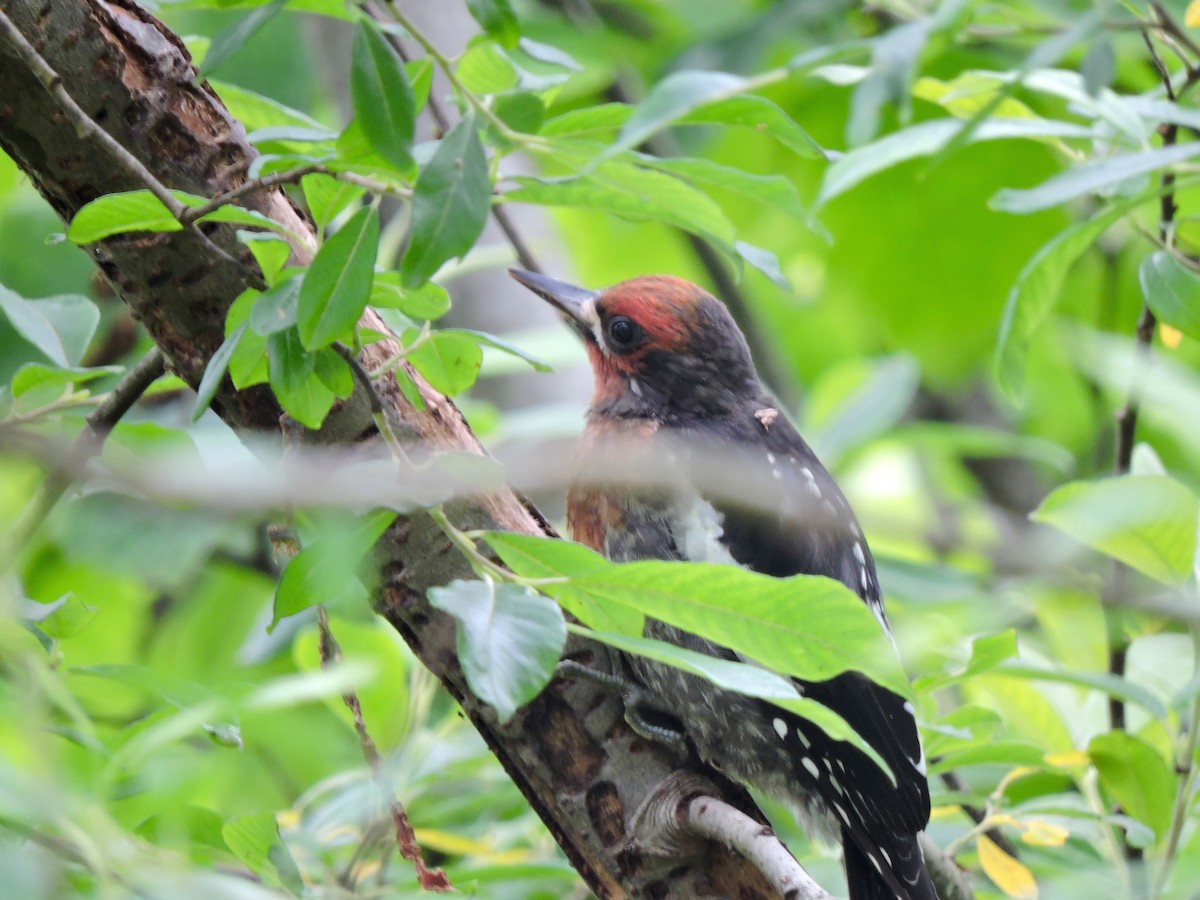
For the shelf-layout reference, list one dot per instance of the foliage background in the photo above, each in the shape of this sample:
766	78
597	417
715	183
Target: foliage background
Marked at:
148	720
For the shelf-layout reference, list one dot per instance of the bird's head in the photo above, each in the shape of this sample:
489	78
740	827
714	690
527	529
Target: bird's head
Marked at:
660	347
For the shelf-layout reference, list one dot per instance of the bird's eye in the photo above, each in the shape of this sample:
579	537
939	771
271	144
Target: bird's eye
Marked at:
623	332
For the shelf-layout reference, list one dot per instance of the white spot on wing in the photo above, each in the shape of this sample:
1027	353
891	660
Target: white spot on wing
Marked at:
770	457
811	766
780	728
859	555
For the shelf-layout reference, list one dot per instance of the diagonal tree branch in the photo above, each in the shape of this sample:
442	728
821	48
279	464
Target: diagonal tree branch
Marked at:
569	751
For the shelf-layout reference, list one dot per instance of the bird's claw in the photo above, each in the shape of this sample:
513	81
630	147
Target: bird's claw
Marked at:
638	703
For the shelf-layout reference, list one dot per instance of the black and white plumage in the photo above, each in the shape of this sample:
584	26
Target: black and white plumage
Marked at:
674	381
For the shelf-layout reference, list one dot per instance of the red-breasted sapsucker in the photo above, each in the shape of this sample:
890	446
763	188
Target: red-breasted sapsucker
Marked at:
673	376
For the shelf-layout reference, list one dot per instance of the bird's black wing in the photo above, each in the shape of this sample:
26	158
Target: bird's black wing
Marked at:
809	528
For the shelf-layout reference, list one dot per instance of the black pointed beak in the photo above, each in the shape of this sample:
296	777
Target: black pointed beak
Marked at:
569	299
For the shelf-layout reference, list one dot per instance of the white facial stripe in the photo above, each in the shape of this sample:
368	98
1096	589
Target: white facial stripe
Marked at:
591	317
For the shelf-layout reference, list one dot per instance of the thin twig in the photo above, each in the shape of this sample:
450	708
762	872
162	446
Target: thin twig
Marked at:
406	839
952	780
266	182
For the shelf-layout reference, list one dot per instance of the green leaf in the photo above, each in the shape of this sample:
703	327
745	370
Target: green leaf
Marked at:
773	190
1146	521
449	361
1172	291
35	375
333	372
758	114
308	402
987	652
521	111
383	99
142	211
60	327
65	617
257	111
429	301
328	196
337	285
497	19
1091	178
694	97
215	371
765	261
806	626
256	841
451	201
633	193
927	138
484	339
1037	288
270	251
276	309
537	557
289	363
509	640
857	400
119	213
325	570
669	100
744	678
230	40
1112	685
1136	777
588	120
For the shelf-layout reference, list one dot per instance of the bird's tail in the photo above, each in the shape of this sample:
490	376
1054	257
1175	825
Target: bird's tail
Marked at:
898	874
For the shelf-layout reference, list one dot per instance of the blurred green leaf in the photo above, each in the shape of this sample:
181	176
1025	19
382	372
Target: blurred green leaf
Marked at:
449	360
536	557
1146	521
924	139
1037	290
805	626
60	327
744	678
1172	291
1136	777
33	376
451	201
429	301
1092	178
142	211
328	196
337	285
217	366
326	568
635	193
277	308
230	40
509	640
384	105
256	841
497	19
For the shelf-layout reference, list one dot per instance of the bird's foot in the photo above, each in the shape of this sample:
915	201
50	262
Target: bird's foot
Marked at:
644	711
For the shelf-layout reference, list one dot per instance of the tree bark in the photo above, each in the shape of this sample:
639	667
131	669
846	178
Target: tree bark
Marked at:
569	751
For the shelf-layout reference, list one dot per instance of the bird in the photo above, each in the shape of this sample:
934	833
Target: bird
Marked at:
673	373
